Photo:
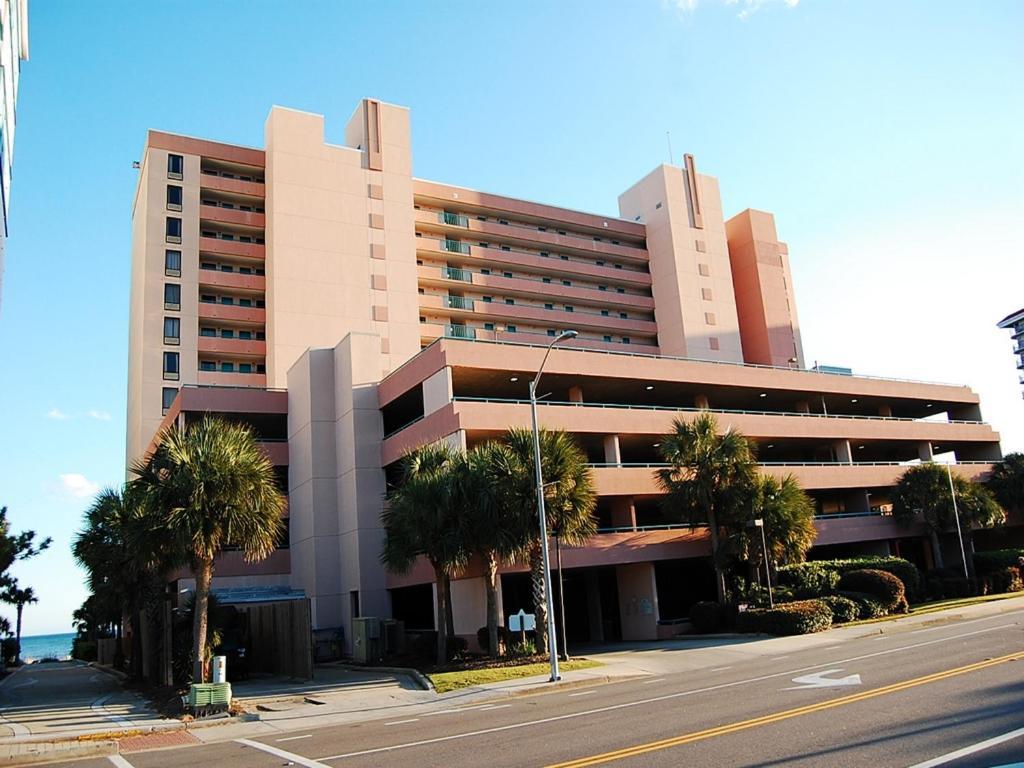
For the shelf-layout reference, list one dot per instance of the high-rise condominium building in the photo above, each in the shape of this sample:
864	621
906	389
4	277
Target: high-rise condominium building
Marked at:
1015	322
350	311
13	51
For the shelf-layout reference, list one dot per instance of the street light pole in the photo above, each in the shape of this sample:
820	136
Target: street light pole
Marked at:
542	517
759	523
956	514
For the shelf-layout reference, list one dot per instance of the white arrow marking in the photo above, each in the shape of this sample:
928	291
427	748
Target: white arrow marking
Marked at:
819	680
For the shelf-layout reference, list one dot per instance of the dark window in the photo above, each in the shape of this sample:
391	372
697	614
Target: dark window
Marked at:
568	308
512	329
175	166
172	296
168	395
623	315
546	279
227	333
563	257
206	298
261	368
230	368
245	302
604	313
247	368
261	336
549	306
599	263
490	327
227	300
625	340
208	265
209	365
506	248
507	274
551	332
487	299
485	271
174	197
207	331
545	254
172	263
567	282
620	290
618	266
606	338
246	335
172	330
602	287
173	230
171	365
512	301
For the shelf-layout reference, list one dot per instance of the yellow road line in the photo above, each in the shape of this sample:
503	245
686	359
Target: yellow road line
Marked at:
743	725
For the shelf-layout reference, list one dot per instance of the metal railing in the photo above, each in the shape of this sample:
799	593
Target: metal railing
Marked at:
454	246
571	309
454	273
459	332
453	219
458	302
692	409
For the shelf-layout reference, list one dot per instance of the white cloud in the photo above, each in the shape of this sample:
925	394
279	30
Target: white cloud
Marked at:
747	7
78	486
99	415
57	414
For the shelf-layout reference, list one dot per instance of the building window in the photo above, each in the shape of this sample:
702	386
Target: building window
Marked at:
506	248
567	282
261	336
261	368
173	230
227	333
208	265
704	269
507	274
488	326
623	316
546	279
228	300
549	306
207	365
167	399
227	367
207	298
171	370
606	338
510	328
247	368
487	299
172	296
172	263
563	257
207	331
712	342
620	290
604	313
485	271
510	301
709	318
705	294
625	339
545	254
551	332
245	335
602	287
569	308
599	263
241	302
174	197
175	167
172	330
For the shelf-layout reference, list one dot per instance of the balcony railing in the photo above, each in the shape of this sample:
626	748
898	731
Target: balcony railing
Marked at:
459	332
628	406
908	463
453	219
458	302
454	246
454	273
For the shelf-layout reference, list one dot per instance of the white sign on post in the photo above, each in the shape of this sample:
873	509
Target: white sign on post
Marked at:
522	622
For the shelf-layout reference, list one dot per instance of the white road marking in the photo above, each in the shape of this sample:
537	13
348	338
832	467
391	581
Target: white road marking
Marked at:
582	693
651	682
119	761
403	722
495	706
655	699
720	669
290	756
779	658
99	708
296	738
959	623
444	712
818	680
979	747
17	729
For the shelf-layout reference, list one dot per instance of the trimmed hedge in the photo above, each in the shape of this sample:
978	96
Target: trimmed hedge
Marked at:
1006	579
799	618
707	617
843	608
867	606
990	562
882	585
806	578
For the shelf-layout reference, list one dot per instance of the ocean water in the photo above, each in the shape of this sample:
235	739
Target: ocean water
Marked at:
34	647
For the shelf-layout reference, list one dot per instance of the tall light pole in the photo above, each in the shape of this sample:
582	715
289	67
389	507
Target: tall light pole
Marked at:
956	514
552	640
759	523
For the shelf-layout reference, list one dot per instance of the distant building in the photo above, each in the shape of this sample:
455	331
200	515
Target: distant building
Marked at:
13	51
1015	322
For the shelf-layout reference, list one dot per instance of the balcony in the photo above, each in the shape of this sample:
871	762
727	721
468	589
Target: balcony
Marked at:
232	216
232	312
453	246
218	278
232	347
232	248
277	451
453	219
459	332
217	378
213	180
454	273
457	302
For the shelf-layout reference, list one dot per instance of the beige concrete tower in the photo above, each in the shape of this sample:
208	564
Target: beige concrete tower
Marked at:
764	291
694	302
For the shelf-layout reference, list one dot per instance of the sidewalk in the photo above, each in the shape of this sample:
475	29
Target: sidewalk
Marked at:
340	696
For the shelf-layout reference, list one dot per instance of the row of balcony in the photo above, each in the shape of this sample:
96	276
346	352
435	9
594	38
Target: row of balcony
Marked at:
563	314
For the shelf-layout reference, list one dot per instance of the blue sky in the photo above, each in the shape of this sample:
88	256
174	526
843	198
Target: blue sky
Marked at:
884	136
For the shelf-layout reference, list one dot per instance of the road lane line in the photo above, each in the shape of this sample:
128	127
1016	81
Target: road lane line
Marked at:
296	738
290	756
720	669
582	693
403	722
99	707
779	658
656	699
970	750
651	682
119	761
742	725
494	706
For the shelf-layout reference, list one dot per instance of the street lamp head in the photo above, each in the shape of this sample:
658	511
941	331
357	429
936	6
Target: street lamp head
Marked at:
566	335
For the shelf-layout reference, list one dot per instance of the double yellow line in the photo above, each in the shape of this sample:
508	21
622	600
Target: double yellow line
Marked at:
724	730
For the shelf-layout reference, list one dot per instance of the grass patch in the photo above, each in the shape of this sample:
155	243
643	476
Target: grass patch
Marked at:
450	681
922	609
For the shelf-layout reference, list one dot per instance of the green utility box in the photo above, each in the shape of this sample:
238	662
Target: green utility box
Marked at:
208	698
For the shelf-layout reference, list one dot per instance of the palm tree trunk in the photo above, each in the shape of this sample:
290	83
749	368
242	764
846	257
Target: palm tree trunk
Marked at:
540	604
440	577
204	575
17	636
494	644
449	616
936	548
136	668
715	557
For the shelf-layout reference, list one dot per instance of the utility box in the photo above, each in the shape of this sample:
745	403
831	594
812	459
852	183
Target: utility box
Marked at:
393	632
366	640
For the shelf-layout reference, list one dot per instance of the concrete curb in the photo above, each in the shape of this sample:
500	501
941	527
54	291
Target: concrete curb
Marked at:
37	753
418	677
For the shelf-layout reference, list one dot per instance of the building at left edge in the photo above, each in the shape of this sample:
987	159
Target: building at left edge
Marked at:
349	311
13	51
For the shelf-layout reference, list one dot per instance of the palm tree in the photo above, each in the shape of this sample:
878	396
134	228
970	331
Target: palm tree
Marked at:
924	489
569	500
788	515
213	486
19	598
1007	481
421	519
708	480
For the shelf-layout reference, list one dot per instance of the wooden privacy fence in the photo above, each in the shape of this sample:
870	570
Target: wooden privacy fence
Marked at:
279	637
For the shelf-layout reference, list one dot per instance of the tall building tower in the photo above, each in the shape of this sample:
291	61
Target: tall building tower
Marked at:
13	51
1015	322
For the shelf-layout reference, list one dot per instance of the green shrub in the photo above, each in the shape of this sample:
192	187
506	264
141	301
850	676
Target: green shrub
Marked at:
959	586
809	579
1006	579
881	585
821	577
83	650
867	606
843	608
9	649
990	562
799	618
706	617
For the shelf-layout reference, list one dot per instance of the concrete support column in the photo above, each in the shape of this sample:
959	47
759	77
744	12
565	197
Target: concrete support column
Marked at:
612	452
842	451
885	410
802	406
623	512
575	394
702	402
924	451
437	391
638	601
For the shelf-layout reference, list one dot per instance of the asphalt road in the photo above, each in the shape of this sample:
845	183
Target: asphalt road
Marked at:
915	698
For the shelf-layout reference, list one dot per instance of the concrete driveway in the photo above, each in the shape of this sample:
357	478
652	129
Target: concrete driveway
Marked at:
60	698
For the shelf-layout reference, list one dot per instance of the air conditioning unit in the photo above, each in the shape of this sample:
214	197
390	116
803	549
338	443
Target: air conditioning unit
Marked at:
366	640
